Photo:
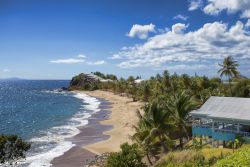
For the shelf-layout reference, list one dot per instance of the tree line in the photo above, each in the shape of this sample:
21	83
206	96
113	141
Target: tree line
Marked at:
169	99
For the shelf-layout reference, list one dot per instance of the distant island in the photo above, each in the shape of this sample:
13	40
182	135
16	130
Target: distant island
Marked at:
12	79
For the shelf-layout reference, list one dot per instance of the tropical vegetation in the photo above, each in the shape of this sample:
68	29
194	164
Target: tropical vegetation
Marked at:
164	126
239	158
229	69
129	156
12	148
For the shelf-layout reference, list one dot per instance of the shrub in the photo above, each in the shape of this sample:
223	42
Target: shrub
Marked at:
129	156
12	148
239	158
189	158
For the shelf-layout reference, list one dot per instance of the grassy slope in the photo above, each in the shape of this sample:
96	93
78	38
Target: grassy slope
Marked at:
215	152
241	158
191	158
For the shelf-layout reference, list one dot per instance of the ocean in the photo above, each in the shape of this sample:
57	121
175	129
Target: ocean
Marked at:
44	116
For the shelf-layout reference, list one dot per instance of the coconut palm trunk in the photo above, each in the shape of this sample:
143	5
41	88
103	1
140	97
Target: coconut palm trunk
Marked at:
165	148
230	86
181	142
149	160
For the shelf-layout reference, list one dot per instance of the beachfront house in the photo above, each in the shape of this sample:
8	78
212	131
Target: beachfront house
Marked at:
222	119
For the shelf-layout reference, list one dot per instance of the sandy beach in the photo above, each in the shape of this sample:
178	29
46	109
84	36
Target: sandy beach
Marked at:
106	130
122	118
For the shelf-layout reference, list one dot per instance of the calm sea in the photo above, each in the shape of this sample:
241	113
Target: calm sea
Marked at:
46	117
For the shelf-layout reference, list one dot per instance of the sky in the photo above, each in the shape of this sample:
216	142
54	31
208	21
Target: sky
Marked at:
57	39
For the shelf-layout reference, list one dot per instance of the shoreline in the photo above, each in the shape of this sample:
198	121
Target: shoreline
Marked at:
90	133
123	117
109	128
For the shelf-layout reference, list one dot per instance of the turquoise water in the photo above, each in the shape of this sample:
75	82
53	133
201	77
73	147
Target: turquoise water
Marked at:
46	117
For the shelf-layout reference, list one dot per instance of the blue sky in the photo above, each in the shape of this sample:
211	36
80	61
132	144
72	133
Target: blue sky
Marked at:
56	39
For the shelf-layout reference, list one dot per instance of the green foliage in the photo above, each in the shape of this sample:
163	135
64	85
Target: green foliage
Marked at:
165	119
145	91
180	104
129	156
229	69
169	99
149	135
237	143
199	87
242	88
108	76
82	82
185	158
240	158
188	158
12	148
197	145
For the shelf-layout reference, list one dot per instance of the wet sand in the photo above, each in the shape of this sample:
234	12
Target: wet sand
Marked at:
75	157
91	133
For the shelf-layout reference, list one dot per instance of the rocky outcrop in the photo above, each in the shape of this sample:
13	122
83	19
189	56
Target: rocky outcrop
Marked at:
84	82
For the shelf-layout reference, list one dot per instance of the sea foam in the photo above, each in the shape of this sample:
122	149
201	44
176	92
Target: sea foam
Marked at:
56	141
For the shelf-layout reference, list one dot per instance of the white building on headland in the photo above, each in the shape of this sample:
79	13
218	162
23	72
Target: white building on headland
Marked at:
97	78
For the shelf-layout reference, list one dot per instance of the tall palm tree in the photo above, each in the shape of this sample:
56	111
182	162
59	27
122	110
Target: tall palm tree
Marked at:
180	105
154	126
229	69
141	133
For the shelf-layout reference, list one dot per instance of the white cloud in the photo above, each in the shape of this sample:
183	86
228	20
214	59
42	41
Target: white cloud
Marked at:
141	31
81	56
246	14
6	70
214	7
181	17
80	59
67	61
247	23
203	47
186	67
100	62
179	28
195	4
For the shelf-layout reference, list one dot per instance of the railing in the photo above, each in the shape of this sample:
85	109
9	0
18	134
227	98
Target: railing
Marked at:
202	125
245	134
224	130
241	133
206	129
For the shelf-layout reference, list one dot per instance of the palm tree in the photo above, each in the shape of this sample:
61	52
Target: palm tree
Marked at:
180	105
229	69
141	133
146	92
155	126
